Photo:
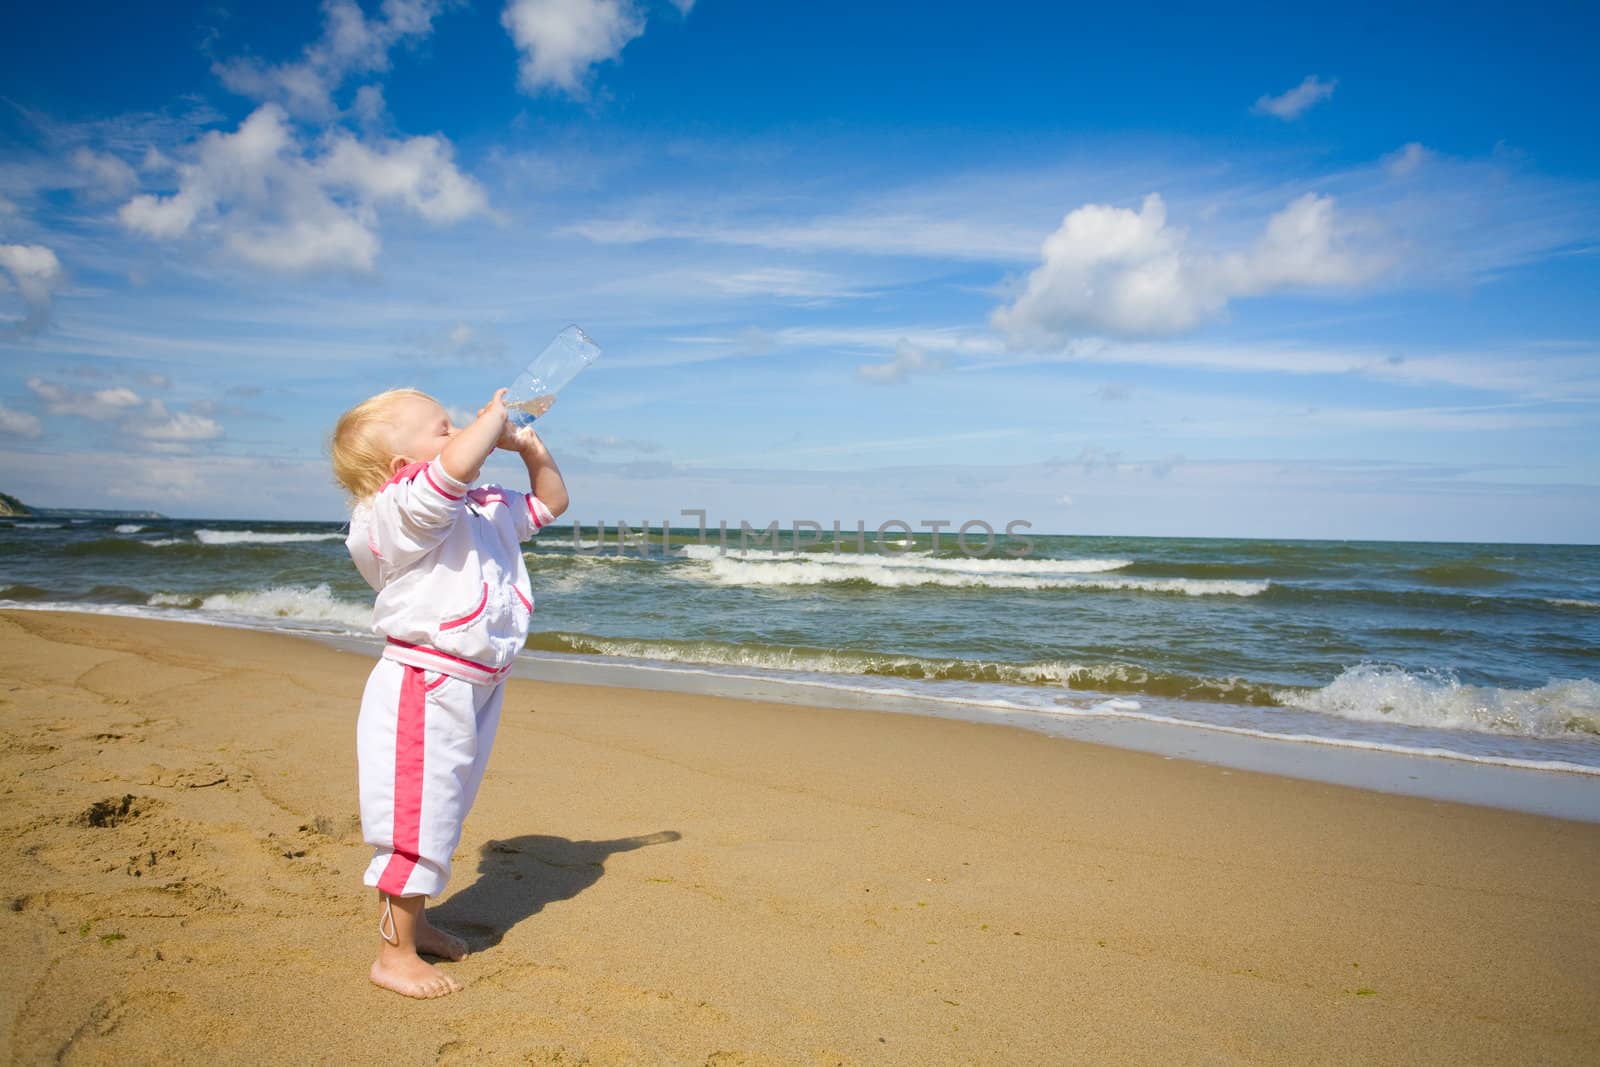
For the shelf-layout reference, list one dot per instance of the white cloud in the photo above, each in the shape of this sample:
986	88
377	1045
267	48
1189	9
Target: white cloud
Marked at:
158	424
350	44
19	423
683	6
100	405
273	204
115	398
1113	270
369	107
908	360
561	39
35	273
1406	160
1292	104
132	414
418	173
107	174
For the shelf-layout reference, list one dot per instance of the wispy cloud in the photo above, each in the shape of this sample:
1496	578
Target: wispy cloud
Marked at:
784	283
350	44
1407	160
613	443
147	419
908	360
866	232
1294	103
19	423
1533	371
1433	219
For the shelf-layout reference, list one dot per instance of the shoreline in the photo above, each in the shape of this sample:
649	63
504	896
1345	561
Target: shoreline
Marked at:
1554	788
1566	791
679	878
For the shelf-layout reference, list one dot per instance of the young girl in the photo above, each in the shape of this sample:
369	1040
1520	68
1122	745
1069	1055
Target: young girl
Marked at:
454	603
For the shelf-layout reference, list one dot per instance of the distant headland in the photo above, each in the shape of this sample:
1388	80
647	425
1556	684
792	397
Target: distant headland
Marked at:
12	508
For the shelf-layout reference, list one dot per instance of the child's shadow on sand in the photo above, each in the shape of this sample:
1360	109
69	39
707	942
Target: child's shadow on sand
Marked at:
520	875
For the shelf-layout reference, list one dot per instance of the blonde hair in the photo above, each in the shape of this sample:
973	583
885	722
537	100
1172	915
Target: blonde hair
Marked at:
362	442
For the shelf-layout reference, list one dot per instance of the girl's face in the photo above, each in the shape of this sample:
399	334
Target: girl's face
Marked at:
421	430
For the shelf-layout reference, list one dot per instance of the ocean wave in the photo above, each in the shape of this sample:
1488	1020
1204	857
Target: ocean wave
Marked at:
910	561
165	542
129	528
289	602
1379	693
874	573
1132	710
38	525
1461	575
1122	678
1569	602
257	537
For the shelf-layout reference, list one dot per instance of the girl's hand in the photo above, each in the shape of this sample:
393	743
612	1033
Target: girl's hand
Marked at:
496	404
520	439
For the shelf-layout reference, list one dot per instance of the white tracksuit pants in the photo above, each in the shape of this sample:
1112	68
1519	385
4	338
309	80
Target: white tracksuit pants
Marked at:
422	742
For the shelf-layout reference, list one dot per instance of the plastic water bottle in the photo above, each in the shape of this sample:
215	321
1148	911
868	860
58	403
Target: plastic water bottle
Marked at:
535	389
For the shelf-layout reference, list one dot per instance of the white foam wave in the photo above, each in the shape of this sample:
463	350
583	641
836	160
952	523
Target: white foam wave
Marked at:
255	537
1569	602
910	561
730	571
288	602
823	661
38	525
129	527
1118	708
1379	693
165	542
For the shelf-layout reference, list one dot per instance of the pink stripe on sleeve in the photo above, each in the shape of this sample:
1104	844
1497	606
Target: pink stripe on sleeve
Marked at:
428	474
539	512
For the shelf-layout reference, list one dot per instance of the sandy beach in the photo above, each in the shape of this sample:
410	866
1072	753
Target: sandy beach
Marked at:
670	878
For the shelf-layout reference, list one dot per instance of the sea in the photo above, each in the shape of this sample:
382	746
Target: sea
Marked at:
1484	653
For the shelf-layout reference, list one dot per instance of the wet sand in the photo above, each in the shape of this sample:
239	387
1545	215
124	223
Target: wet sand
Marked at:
673	878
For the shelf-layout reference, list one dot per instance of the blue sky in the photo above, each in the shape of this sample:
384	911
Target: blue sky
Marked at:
1121	271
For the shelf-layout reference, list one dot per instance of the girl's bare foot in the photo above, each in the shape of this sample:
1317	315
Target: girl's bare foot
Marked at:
405	930
410	976
435	942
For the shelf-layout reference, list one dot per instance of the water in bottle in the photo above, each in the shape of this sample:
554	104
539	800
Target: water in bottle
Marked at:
535	389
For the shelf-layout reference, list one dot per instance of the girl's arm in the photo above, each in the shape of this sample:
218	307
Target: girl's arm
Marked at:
544	477
463	457
543	474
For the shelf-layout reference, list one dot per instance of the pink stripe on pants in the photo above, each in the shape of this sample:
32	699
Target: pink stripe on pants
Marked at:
422	743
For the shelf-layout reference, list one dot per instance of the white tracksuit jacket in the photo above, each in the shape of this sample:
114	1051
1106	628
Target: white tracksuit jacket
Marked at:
453	590
454	603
